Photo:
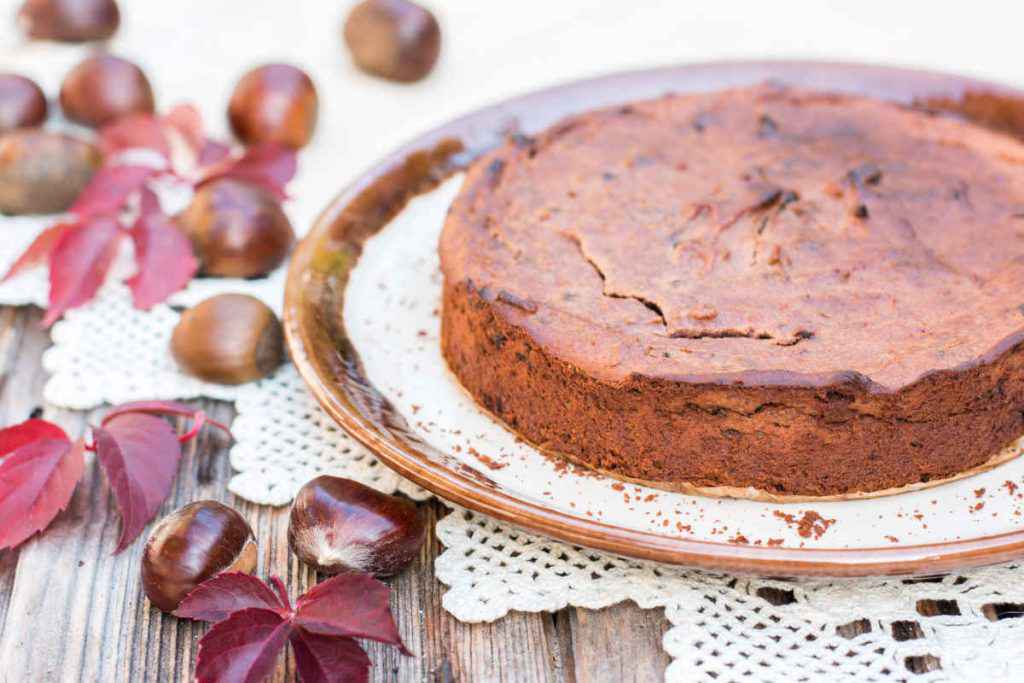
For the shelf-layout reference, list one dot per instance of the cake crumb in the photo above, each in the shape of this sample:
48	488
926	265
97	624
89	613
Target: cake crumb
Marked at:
810	523
978	493
488	461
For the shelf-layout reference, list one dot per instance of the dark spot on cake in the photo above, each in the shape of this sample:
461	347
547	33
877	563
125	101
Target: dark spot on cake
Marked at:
498	340
962	193
860	210
702	121
767	195
522	141
626	110
609	176
494	172
865	174
767	127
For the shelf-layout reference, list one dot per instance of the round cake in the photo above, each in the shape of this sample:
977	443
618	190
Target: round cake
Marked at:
757	292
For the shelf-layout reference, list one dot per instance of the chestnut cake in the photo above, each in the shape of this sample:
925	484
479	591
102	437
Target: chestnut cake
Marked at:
762	292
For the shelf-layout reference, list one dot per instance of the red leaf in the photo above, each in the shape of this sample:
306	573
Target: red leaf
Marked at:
349	605
79	264
162	408
243	648
14	437
39	251
326	659
218	597
163	255
36	482
268	165
110	188
139	454
133	132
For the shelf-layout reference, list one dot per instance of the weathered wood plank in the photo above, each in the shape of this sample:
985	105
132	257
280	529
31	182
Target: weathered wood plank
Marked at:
620	643
70	610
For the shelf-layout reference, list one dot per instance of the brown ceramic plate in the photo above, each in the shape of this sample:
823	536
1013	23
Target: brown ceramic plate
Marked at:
330	365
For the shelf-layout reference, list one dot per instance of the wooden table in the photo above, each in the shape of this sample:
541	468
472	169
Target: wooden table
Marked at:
70	610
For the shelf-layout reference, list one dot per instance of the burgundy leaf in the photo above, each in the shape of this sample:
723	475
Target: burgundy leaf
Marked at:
139	454
163	256
328	659
243	648
79	264
162	408
39	251
268	165
36	482
350	605
134	132
14	437
218	597
110	188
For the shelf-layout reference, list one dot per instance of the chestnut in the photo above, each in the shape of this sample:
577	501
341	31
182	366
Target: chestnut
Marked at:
339	525
69	20
191	545
237	229
274	103
22	103
103	88
228	339
394	39
43	172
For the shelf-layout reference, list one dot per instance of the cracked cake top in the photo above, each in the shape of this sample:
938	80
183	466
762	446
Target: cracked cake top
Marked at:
763	233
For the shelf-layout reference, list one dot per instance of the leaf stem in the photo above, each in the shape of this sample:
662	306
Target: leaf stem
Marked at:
199	420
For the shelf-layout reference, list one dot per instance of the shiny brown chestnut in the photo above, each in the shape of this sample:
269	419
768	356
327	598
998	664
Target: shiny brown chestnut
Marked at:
339	525
22	103
237	229
228	339
43	172
71	21
394	39
274	103
191	545
103	88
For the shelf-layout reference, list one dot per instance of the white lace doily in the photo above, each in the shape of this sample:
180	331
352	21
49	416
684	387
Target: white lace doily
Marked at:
723	628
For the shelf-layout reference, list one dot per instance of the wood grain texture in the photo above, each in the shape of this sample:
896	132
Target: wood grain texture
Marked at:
70	610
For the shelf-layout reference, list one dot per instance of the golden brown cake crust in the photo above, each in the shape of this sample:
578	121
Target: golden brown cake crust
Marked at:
805	293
